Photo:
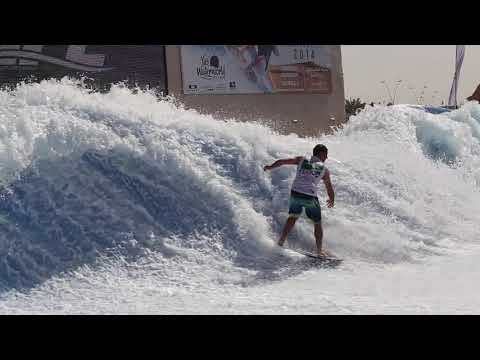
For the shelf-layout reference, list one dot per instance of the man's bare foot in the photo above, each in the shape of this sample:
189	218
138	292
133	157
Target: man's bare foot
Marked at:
323	253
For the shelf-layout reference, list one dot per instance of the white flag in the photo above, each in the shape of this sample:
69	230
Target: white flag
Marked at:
452	100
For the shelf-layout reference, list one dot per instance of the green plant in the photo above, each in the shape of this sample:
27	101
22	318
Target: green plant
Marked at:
353	106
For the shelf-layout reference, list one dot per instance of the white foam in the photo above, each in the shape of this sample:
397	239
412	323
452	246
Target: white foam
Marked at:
405	181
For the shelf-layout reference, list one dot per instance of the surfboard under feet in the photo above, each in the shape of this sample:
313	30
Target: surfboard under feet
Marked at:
323	259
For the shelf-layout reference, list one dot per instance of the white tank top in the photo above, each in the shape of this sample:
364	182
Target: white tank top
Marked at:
309	174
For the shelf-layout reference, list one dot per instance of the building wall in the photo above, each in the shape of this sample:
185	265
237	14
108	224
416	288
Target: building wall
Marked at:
304	114
142	65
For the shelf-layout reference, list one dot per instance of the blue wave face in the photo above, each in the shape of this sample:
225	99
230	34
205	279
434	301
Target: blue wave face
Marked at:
64	213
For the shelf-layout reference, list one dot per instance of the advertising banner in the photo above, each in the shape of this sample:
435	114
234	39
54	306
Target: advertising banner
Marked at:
460	54
256	69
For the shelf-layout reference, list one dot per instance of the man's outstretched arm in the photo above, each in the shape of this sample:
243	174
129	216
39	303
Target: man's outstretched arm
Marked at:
293	161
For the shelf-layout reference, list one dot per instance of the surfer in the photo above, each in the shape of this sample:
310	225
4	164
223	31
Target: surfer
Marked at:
266	51
304	192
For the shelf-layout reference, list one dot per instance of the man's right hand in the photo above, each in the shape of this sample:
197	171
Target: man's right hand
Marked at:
267	167
330	203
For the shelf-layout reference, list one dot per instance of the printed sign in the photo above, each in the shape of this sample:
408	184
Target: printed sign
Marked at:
251	69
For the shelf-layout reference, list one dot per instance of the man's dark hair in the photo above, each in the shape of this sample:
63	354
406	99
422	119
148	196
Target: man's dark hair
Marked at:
320	148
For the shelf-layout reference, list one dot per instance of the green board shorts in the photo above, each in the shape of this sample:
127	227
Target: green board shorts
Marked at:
298	201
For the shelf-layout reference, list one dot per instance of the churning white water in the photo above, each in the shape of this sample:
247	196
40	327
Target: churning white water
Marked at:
120	203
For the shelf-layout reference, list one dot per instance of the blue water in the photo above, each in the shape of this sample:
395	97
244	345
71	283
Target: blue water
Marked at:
104	186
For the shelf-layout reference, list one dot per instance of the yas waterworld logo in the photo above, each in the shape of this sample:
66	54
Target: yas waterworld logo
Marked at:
18	57
210	68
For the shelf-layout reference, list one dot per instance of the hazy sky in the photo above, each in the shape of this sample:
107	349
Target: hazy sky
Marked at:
365	66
